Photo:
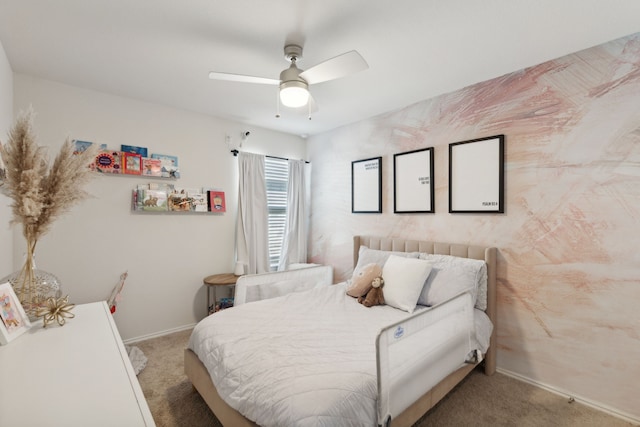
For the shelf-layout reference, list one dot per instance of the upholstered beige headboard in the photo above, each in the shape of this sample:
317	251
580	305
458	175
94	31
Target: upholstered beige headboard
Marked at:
488	254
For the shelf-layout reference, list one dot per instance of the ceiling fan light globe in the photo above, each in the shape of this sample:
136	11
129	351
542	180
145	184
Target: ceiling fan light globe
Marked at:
293	96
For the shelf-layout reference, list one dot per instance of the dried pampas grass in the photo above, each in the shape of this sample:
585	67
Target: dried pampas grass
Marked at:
42	192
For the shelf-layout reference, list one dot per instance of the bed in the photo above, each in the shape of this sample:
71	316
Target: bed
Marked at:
385	409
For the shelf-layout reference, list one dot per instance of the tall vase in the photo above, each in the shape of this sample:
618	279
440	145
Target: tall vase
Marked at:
33	286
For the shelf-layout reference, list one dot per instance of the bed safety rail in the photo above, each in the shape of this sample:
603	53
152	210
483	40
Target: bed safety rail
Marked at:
415	354
256	287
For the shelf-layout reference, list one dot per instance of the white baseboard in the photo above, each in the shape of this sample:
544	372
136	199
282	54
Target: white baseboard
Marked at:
595	405
158	334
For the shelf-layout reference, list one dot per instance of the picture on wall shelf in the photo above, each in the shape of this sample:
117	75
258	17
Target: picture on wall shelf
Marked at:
151	167
134	149
14	319
413	187
80	146
178	200
476	175
152	197
132	163
169	168
108	162
366	185
154	200
198	200
216	201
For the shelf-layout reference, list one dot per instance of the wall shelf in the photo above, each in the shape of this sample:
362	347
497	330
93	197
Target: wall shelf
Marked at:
157	198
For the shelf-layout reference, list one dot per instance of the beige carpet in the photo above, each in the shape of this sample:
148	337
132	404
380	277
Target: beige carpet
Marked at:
478	401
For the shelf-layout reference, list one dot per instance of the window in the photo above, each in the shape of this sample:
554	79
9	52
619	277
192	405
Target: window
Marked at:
276	173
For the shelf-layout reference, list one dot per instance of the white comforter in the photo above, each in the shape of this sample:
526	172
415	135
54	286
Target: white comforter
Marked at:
270	360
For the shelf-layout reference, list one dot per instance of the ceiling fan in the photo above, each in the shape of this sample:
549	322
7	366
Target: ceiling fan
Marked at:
294	82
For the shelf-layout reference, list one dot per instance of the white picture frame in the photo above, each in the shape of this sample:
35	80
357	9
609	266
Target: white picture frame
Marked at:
13	319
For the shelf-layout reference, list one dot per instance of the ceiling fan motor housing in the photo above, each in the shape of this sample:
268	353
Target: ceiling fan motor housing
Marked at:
291	77
294	90
293	52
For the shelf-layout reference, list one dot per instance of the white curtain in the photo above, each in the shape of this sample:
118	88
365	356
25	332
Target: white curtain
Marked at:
294	246
252	230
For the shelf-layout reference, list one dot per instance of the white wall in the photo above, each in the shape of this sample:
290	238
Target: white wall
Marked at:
166	255
6	117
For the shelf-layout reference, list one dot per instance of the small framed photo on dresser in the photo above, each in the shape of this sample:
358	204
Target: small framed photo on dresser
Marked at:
14	319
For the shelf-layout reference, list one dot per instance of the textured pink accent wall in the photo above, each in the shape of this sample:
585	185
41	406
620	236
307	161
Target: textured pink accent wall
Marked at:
569	263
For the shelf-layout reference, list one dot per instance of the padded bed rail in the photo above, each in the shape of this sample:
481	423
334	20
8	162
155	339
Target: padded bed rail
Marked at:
415	354
256	287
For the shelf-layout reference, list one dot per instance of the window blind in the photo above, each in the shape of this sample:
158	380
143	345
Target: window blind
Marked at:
276	173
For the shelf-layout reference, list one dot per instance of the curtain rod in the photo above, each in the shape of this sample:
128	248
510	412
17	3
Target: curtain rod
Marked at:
235	154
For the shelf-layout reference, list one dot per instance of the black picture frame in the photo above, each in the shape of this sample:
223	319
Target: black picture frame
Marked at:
476	175
366	185
413	186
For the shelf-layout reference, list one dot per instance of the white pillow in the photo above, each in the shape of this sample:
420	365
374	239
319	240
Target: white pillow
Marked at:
403	280
453	275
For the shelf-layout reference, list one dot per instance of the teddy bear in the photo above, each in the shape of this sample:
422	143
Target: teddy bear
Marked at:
362	279
375	296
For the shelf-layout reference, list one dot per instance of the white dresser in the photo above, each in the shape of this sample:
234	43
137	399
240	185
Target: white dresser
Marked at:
75	375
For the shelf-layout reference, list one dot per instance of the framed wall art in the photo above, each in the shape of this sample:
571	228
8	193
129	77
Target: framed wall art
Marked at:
13	319
366	185
476	175
413	188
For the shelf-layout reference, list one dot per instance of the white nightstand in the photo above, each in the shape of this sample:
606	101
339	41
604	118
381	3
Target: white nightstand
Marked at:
75	375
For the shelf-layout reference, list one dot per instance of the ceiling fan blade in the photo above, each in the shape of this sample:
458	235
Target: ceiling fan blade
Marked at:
242	78
335	68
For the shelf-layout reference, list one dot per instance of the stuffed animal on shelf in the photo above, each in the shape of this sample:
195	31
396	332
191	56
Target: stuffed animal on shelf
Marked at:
375	296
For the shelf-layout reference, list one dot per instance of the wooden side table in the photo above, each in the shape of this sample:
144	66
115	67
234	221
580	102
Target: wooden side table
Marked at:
224	279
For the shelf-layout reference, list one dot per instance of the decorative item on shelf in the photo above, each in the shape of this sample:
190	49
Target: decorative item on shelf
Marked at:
81	146
169	168
108	161
134	149
132	163
179	200
216	201
151	167
154	197
198	200
58	309
41	192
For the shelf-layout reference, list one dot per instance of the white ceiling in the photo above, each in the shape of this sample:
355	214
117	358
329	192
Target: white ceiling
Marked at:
162	50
